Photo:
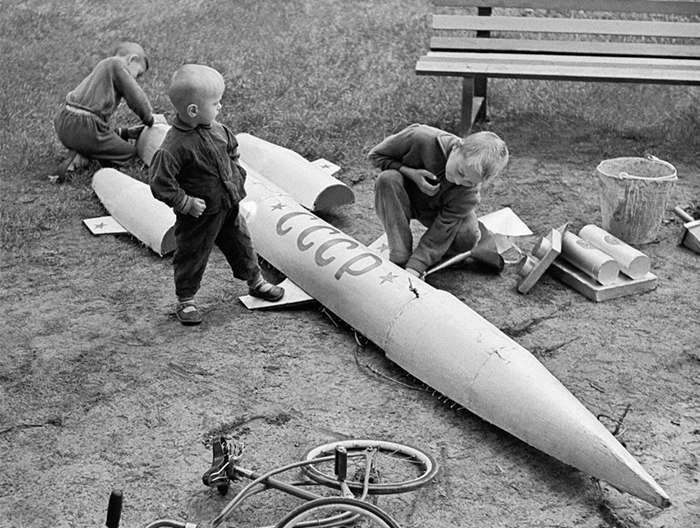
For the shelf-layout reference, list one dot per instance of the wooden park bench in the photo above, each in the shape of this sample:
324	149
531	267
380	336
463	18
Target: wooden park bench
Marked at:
632	41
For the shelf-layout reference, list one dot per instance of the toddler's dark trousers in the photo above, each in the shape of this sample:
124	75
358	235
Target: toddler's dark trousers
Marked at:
195	239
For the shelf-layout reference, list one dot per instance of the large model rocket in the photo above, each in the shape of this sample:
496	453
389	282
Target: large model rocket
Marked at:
438	339
434	336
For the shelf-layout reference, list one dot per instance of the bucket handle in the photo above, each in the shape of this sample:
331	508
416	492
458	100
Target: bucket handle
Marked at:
650	157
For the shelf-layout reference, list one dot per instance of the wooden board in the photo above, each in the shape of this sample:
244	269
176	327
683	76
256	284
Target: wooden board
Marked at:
564	47
595	291
690	236
567	25
561	67
670	7
544	253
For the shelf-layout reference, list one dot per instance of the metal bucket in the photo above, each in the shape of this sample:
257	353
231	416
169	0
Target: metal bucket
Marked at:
634	193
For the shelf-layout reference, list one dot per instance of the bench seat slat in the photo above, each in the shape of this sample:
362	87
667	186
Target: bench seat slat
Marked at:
567	25
668	7
646	62
574	47
557	72
565	67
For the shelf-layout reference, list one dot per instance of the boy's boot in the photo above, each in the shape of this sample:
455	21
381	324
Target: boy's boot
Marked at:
260	288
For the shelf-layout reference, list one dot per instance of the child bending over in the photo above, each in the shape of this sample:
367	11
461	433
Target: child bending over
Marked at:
196	172
83	125
436	178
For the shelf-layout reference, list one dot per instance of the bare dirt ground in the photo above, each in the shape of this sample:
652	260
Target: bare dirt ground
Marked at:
101	388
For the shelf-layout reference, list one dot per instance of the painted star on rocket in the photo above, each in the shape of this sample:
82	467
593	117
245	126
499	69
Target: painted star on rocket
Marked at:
389	277
278	207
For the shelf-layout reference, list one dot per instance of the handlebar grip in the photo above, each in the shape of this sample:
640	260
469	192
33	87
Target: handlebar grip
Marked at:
680	213
341	463
114	509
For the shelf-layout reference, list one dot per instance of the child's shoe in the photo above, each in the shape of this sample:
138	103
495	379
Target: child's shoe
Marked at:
188	313
73	162
66	166
266	291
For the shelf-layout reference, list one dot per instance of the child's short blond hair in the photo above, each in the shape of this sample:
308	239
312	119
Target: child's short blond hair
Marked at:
191	82
126	49
486	152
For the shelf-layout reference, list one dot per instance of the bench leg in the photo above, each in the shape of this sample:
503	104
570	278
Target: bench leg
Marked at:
480	92
467	105
473	103
480	82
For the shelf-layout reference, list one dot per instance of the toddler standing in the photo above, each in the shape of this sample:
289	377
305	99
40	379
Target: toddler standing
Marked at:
196	172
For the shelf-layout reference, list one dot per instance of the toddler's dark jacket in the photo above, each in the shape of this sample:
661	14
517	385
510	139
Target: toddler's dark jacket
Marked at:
200	162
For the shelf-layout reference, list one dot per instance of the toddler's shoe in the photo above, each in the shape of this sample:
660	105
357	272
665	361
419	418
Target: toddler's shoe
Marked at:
266	291
188	313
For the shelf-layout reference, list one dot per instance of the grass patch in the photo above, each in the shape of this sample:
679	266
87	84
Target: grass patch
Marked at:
322	79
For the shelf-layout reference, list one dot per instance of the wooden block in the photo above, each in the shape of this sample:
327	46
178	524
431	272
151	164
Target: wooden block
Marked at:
595	291
690	236
543	254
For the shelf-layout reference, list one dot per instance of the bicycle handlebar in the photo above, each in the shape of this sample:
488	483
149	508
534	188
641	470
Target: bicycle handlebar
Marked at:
114	514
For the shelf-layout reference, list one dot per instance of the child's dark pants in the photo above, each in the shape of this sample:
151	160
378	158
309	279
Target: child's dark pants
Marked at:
195	239
396	207
90	136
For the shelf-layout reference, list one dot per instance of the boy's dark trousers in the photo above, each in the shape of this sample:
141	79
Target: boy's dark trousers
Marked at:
195	239
92	137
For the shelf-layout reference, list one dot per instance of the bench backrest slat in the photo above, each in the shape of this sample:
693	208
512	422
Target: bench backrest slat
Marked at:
567	47
668	7
567	25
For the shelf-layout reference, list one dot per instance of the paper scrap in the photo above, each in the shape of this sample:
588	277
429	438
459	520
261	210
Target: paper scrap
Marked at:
505	222
104	225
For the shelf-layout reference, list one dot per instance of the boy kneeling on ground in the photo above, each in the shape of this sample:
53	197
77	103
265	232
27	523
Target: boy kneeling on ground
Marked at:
83	123
436	178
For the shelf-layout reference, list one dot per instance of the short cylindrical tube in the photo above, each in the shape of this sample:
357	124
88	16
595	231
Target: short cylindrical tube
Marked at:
589	259
632	262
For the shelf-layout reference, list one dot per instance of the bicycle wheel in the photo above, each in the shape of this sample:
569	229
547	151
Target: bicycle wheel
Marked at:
396	468
337	511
